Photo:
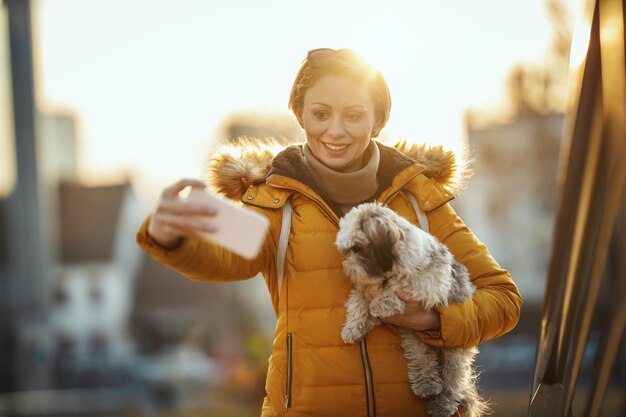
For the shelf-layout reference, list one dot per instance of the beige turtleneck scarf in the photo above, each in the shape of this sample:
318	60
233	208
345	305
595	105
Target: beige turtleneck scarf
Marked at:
350	188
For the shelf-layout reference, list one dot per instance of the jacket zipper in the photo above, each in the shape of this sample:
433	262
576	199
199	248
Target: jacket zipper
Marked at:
367	369
369	380
289	373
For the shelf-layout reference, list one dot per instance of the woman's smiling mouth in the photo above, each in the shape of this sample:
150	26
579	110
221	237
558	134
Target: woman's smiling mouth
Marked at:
335	147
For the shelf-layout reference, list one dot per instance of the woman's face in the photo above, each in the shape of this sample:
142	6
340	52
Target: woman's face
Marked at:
338	119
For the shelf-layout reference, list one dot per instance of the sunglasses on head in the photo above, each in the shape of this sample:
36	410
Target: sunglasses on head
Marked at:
320	55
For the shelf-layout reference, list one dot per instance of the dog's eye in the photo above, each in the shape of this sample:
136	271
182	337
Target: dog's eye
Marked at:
356	249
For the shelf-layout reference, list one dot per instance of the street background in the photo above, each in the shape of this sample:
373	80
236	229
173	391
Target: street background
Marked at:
130	96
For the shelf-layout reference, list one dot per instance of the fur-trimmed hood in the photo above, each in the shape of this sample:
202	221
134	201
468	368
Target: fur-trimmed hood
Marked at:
234	166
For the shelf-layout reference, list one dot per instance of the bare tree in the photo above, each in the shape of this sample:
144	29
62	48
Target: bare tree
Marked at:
541	89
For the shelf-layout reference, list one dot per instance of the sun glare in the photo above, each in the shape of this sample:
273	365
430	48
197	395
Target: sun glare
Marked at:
580	44
581	34
144	88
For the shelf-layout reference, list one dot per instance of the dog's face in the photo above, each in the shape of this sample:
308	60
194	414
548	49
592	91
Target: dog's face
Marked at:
370	237
380	246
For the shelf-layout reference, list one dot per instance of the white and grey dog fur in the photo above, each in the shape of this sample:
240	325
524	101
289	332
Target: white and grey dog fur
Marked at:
385	252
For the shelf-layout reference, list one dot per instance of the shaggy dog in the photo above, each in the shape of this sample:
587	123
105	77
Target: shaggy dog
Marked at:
384	253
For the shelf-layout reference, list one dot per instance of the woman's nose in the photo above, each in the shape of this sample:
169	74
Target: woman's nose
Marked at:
336	127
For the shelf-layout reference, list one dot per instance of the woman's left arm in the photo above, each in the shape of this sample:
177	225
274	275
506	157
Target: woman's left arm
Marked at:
495	306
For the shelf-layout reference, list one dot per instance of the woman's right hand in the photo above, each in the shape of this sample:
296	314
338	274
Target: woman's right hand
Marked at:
174	218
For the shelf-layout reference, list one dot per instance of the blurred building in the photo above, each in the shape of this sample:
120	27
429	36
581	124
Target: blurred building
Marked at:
91	292
84	339
511	199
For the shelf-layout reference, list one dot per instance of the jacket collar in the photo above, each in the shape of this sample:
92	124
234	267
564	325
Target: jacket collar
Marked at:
290	163
235	166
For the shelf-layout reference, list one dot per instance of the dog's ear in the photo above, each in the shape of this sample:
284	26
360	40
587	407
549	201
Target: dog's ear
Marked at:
394	232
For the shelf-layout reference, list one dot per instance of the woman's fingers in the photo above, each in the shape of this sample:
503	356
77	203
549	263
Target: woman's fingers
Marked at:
416	317
404	296
172	203
173	190
174	218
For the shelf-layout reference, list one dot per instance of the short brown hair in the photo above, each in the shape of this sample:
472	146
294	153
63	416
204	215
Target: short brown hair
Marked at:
325	61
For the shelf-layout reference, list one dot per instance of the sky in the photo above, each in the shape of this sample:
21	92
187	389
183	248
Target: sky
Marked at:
150	81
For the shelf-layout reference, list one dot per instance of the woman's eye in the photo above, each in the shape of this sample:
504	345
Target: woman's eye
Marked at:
353	117
321	115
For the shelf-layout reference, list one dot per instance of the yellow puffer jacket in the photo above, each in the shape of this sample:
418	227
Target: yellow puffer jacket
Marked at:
312	372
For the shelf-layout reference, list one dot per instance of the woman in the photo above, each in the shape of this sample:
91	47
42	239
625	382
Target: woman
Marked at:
341	103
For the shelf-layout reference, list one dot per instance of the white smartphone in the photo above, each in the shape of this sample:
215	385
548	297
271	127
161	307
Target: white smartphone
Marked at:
239	229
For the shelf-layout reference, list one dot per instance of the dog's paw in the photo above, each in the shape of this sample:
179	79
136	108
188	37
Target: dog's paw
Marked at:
350	334
441	406
427	388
